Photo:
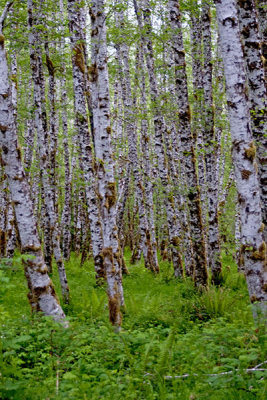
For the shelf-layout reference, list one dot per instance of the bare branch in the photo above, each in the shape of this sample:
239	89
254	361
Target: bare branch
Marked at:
4	14
248	370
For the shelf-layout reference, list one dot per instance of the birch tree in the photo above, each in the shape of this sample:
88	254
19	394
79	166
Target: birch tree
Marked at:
187	146
41	128
104	162
76	13
257	90
130	127
214	260
160	132
253	249
41	295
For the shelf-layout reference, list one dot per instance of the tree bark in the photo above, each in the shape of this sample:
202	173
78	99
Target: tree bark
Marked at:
160	133
257	93
253	249
214	252
42	293
104	162
187	147
79	71
41	128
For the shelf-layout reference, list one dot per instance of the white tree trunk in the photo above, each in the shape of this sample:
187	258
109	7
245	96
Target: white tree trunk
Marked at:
79	72
104	163
41	128
42	293
214	256
160	134
257	92
187	147
253	250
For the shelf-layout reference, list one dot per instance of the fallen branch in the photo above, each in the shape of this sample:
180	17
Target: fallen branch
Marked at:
248	370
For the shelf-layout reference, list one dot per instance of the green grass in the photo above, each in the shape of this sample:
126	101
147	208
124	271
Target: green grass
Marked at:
169	328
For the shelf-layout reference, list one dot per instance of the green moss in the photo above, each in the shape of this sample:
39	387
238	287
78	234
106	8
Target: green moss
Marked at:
78	53
250	152
260	253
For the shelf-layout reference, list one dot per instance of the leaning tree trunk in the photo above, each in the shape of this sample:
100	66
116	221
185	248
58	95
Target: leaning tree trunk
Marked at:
187	147
253	249
104	163
42	293
257	93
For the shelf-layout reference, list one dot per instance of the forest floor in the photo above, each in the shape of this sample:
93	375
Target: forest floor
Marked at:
169	329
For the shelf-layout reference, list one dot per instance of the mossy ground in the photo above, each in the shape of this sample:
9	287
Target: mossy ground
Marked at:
168	329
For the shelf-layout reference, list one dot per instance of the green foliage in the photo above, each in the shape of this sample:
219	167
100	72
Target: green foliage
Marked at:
169	329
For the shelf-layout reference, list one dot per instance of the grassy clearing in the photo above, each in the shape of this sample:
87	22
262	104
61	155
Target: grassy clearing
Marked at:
168	329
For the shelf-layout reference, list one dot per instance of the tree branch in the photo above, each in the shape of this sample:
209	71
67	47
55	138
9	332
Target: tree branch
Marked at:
4	14
248	370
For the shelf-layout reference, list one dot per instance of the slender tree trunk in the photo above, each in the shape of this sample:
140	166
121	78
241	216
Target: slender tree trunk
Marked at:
145	146
257	93
41	128
262	14
3	210
253	250
198	129
187	147
104	162
214	259
79	71
130	127
160	133
53	125
66	214
42	294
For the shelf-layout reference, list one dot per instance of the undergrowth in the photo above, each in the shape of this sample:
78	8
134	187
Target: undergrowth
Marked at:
169	329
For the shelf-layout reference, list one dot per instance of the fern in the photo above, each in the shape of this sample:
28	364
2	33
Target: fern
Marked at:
165	352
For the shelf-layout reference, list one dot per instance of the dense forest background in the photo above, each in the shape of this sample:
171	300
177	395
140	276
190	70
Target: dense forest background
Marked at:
133	182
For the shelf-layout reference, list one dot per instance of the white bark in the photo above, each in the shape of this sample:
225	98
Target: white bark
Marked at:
262	15
130	127
79	72
187	146
145	146
214	257
66	213
42	294
253	250
160	134
41	128
257	92
104	160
